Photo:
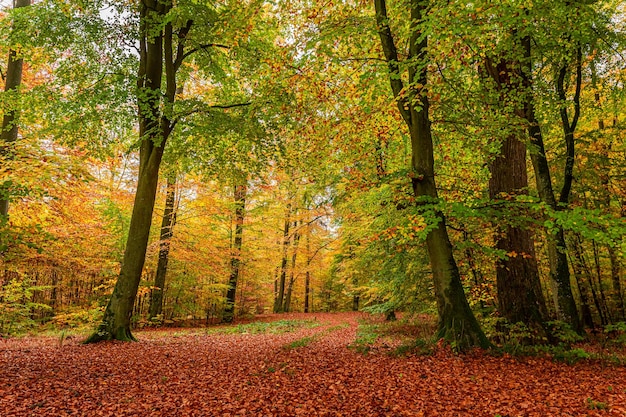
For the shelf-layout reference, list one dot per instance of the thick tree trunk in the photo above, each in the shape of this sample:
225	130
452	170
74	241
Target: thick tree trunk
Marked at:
557	250
154	129
280	295
457	323
10	121
520	298
235	258
167	231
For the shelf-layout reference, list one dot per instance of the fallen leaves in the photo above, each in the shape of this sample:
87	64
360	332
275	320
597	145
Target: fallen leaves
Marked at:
254	375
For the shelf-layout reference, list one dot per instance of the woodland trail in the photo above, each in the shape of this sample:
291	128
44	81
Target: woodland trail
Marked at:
308	372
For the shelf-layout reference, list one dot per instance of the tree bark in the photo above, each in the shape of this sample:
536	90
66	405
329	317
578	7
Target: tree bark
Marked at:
520	298
156	53
557	251
167	231
457	323
307	274
280	295
292	275
240	192
10	121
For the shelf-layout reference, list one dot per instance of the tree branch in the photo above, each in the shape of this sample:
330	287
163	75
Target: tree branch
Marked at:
203	48
391	56
180	49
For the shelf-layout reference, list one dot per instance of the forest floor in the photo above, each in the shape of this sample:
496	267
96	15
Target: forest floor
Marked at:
301	366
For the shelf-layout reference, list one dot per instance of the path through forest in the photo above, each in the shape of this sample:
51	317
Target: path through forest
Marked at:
308	372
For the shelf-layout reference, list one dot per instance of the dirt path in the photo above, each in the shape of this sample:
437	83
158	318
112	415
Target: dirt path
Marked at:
309	372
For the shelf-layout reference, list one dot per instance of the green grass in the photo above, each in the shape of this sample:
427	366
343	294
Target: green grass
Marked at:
274	327
408	336
305	341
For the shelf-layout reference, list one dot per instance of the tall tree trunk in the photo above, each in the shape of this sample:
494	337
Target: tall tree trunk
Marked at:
280	295
240	192
167	231
579	262
616	296
457	323
557	250
8	136
156	52
520	298
292	275
307	274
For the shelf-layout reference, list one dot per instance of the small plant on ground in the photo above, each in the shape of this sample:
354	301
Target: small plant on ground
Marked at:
616	333
596	405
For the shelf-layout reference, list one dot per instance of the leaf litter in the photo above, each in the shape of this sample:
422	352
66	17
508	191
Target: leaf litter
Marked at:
310	371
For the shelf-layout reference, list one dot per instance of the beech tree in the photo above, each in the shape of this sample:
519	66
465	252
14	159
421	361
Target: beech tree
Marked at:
457	323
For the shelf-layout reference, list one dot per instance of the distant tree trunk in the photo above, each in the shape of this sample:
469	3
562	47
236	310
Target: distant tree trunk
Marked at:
580	263
156	52
167	231
240	192
292	275
457	323
616	295
280	295
598	274
307	274
10	121
557	249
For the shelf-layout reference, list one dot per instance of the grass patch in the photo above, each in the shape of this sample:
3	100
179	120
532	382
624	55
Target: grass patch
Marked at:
305	341
398	338
273	327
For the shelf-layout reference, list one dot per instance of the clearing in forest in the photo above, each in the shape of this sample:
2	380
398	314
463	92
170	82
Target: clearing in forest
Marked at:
296	365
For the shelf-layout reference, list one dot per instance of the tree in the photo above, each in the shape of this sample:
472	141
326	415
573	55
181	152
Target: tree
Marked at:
457	323
239	191
10	121
167	231
520	298
157	51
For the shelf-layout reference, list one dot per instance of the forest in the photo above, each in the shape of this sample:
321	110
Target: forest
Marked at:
454	170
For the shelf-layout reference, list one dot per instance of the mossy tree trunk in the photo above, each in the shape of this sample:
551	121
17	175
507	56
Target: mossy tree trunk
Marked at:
457	323
158	58
557	250
13	80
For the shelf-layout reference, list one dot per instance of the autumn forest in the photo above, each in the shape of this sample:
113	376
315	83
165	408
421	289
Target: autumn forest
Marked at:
352	184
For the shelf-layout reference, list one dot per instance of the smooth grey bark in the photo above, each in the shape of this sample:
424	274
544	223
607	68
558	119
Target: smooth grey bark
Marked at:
13	81
157	59
240	192
457	323
167	231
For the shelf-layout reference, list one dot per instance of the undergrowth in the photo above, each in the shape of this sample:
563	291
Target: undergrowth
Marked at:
413	335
